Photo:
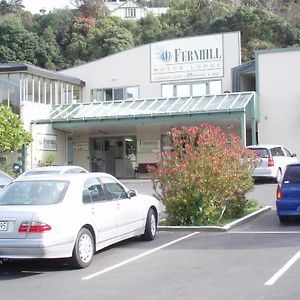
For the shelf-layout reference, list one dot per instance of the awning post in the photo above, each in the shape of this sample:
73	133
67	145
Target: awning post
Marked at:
243	129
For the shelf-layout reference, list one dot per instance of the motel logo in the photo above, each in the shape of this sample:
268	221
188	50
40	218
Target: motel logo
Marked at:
187	58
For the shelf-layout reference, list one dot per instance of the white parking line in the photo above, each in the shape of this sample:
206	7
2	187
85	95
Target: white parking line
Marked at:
137	257
278	274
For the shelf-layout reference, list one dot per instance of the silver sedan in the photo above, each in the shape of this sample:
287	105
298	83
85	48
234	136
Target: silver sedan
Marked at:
71	216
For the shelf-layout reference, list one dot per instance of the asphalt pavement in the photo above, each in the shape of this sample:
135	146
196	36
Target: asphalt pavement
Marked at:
257	260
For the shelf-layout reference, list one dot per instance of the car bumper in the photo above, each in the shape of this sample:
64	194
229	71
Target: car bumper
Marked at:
264	173
288	207
19	249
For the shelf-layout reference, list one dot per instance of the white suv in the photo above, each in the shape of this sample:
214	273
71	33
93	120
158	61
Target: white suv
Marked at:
274	159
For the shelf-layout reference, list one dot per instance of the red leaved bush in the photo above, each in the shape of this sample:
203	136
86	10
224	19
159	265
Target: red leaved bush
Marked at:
205	176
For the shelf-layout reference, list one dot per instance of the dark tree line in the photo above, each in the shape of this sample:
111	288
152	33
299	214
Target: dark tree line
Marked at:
68	37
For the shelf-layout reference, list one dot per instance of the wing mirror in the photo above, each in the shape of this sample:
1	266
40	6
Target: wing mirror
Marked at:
294	155
131	193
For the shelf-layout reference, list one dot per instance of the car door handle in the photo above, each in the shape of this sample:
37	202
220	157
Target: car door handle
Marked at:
92	210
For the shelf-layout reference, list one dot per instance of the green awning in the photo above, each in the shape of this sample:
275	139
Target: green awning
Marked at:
149	108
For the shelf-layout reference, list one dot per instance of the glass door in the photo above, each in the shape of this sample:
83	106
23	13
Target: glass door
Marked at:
97	160
129	156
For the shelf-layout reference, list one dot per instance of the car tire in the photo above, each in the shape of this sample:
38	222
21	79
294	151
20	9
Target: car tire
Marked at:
283	219
151	226
84	249
278	176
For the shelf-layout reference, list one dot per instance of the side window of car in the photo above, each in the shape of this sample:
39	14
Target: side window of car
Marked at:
277	151
115	190
287	152
93	191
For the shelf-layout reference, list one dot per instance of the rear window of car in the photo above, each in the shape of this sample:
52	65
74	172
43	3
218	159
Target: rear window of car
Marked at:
38	192
292	174
261	152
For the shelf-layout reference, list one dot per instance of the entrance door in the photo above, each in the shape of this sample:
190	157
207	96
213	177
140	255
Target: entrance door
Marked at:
113	155
97	155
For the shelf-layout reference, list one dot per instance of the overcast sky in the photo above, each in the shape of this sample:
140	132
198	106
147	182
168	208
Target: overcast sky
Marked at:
34	6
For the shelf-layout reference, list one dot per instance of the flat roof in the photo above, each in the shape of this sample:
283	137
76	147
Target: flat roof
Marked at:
31	69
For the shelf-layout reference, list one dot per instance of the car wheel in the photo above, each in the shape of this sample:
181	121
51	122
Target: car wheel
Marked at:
283	219
151	226
84	249
278	176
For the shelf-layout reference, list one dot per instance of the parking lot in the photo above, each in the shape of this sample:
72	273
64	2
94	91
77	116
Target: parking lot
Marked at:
256	260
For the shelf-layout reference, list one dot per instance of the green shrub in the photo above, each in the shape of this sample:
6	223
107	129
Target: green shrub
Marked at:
205	176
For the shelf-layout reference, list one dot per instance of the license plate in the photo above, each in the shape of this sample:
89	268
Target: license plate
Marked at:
3	226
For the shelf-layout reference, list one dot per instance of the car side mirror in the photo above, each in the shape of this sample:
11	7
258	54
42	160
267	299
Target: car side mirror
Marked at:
294	155
131	193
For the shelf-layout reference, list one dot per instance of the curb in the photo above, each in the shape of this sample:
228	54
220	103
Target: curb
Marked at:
224	228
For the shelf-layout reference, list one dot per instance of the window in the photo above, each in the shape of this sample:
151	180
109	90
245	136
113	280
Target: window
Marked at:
168	90
93	191
287	152
114	94
215	87
277	151
292	174
118	94
37	192
132	93
183	90
4	88
115	190
199	89
192	89
130	13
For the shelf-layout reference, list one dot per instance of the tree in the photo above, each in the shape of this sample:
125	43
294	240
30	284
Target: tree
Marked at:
11	6
18	43
108	38
257	25
12	134
95	8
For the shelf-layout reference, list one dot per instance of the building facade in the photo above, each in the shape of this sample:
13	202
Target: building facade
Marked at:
113	114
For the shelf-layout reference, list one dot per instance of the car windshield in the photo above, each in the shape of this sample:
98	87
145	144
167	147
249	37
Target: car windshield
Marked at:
261	152
292	174
38	192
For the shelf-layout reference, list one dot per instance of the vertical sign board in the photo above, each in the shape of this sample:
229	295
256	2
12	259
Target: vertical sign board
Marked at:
187	58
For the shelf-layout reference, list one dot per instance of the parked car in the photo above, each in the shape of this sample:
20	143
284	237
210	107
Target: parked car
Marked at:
4	179
54	170
274	159
71	216
288	193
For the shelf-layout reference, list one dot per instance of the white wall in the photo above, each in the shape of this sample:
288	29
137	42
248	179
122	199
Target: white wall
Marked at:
278	90
132	68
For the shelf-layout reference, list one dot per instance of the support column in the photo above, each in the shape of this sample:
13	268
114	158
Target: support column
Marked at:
243	128
253	122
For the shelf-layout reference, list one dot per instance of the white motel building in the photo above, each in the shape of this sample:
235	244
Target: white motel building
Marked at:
112	114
